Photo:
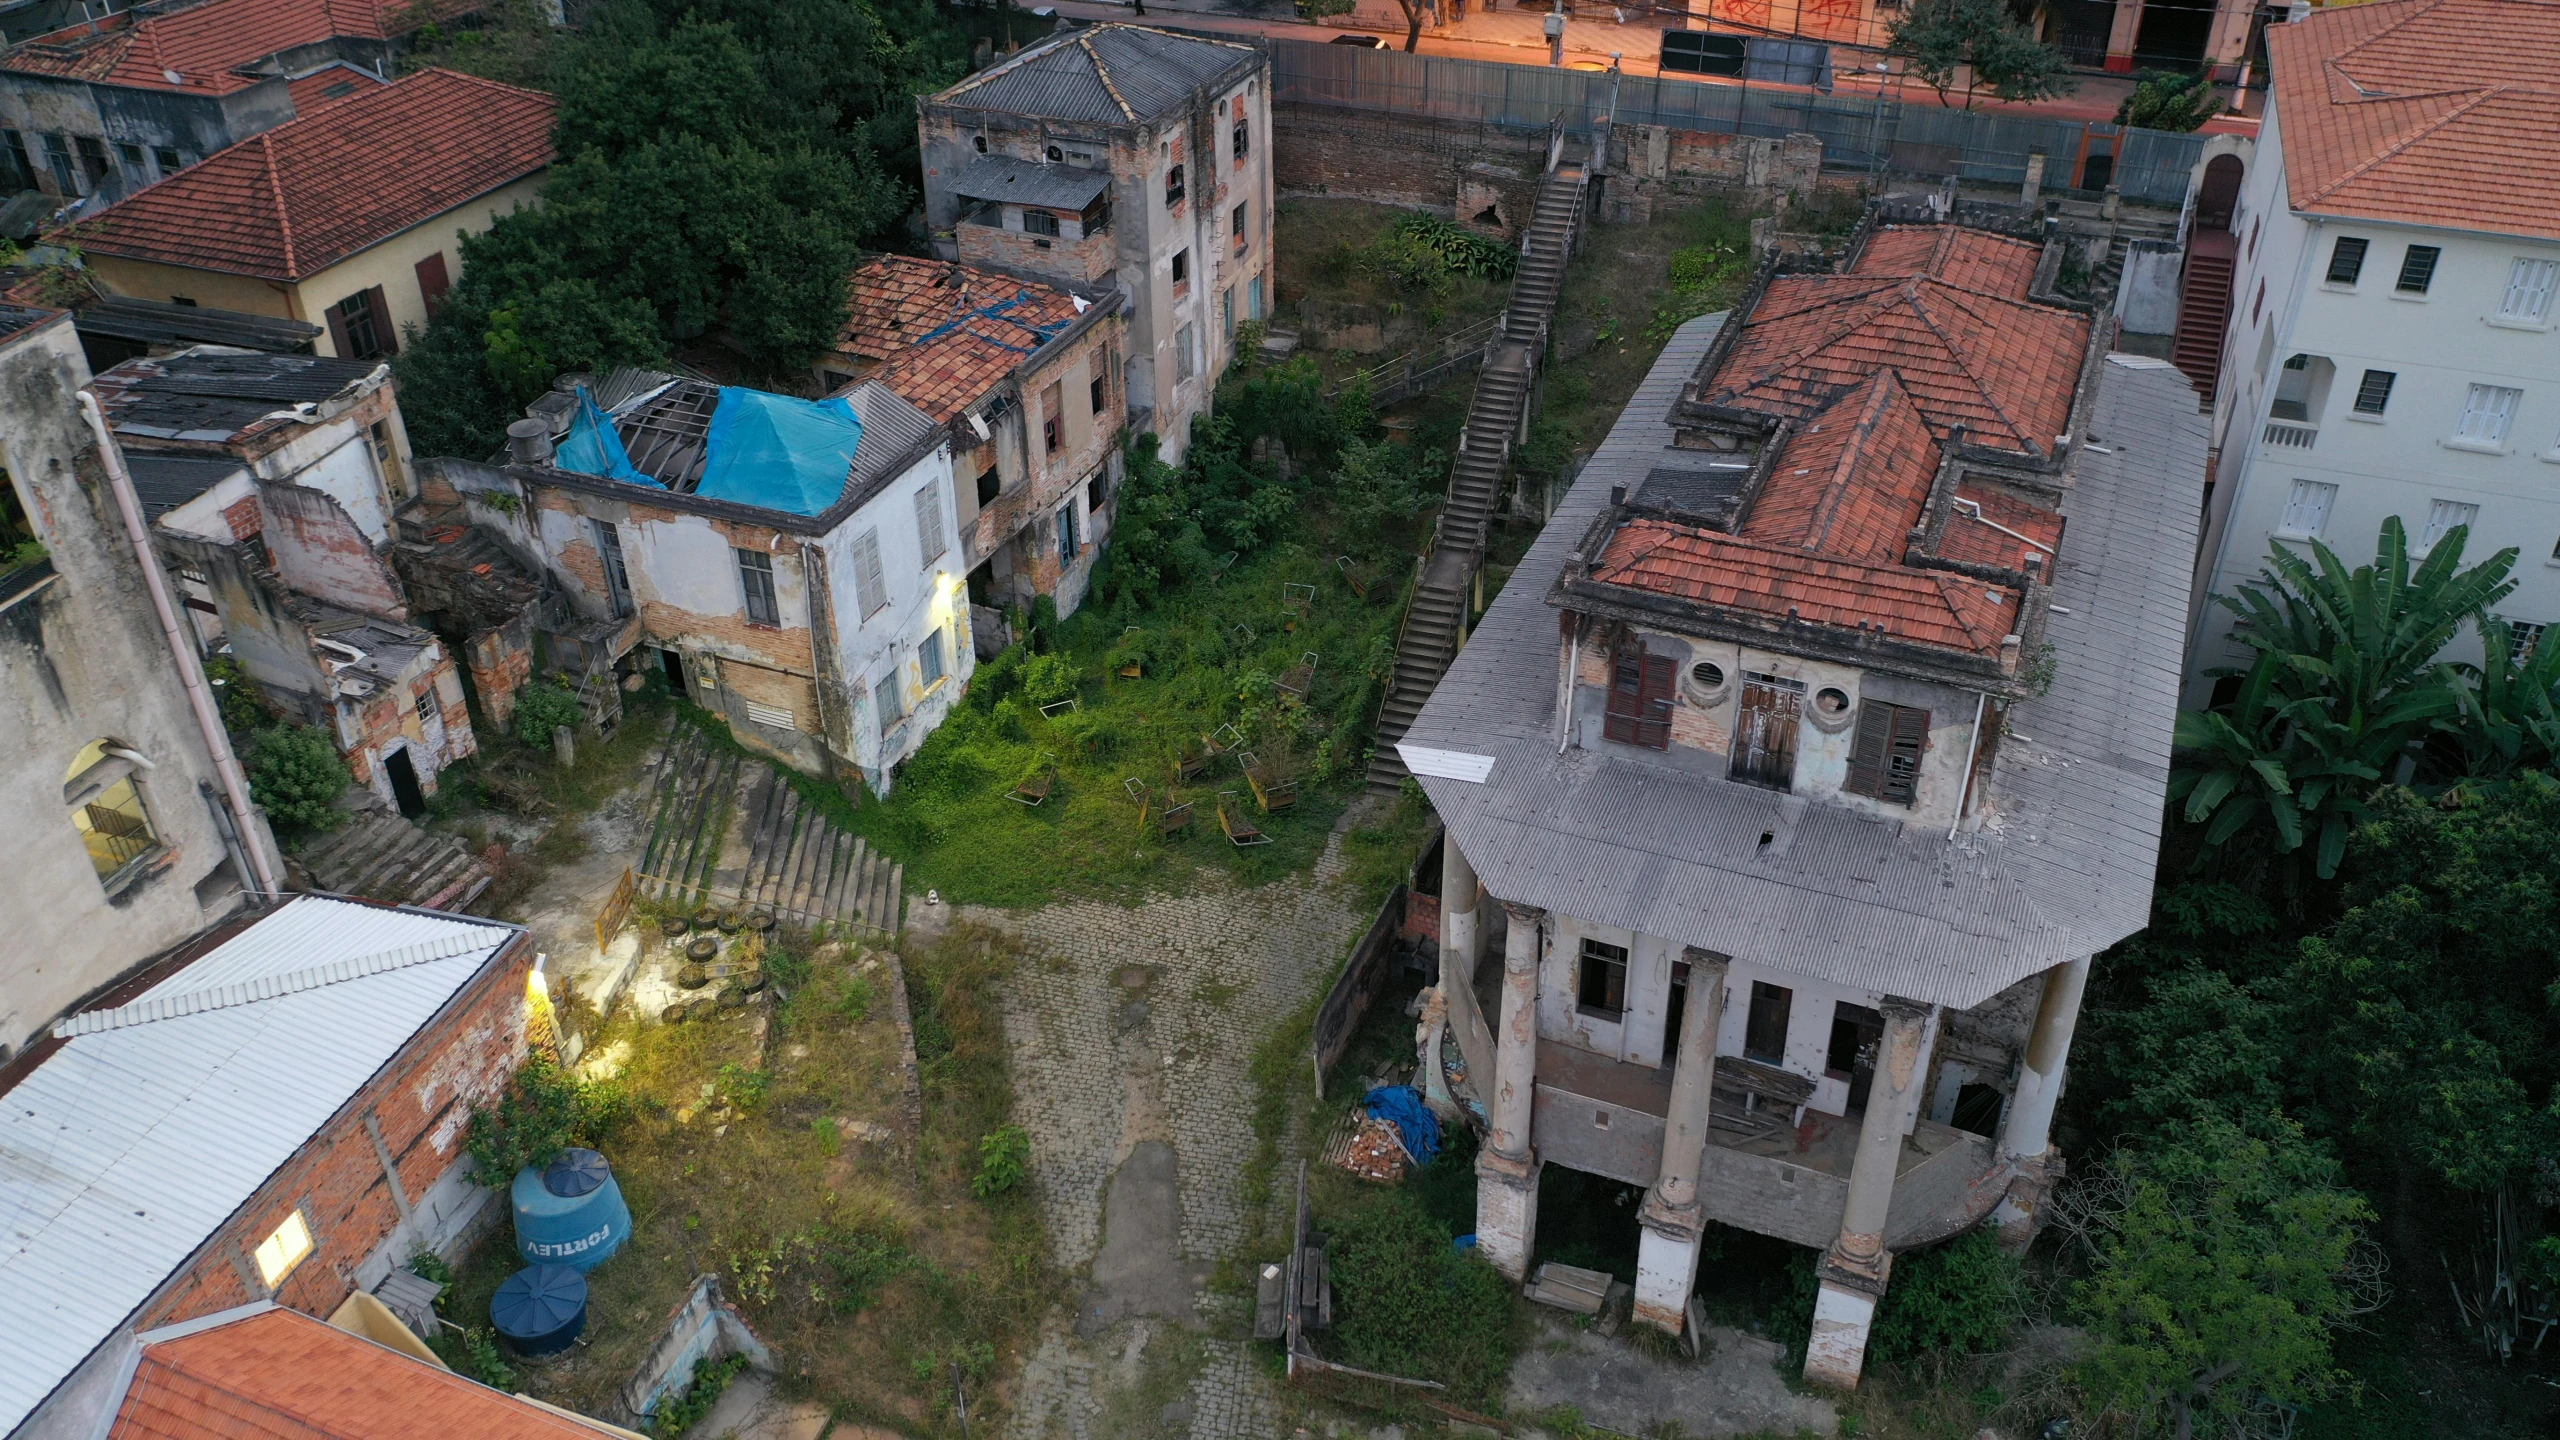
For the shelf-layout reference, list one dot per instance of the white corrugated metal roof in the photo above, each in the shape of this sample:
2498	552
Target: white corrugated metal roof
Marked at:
130	1146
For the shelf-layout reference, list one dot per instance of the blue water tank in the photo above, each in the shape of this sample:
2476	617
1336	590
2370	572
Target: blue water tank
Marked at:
570	1212
542	1310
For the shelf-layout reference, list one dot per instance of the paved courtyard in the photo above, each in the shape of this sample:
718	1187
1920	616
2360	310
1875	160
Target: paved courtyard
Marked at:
1132	1030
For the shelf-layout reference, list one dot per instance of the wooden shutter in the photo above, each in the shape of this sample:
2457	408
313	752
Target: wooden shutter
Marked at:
433	282
337	333
871	587
1867	749
383	335
1639	711
1902	760
929	522
1764	736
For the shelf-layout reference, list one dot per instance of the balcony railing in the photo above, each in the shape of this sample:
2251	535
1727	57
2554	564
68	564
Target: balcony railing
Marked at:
2285	435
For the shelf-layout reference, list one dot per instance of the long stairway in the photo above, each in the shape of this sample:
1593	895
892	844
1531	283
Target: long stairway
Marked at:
796	863
2204	307
382	857
1436	619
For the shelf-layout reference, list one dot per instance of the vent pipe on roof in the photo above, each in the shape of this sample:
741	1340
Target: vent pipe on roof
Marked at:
529	442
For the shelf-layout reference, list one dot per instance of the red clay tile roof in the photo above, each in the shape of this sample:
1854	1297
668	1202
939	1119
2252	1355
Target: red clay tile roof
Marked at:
298	199
1930	607
947	333
2425	112
206	45
283	1374
1975	543
1852	482
329	85
2002	369
1974	259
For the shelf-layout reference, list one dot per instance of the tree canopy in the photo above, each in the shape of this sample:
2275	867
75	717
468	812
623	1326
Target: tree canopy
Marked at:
1979	42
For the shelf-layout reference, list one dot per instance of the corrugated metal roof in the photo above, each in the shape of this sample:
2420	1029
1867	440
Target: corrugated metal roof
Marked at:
1663	844
1020	182
165	482
127	1148
891	431
1107	74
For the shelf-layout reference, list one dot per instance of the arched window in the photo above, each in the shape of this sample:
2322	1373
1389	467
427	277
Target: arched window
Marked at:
106	807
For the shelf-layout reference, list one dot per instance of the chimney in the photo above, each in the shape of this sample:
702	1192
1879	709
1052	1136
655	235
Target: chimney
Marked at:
529	441
1617	495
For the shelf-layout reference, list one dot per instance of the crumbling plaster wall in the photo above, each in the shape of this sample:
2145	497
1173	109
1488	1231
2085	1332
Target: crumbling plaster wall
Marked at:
926	594
85	660
324	552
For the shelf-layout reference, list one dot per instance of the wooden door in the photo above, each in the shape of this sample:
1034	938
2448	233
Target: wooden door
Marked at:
1640	701
1764	734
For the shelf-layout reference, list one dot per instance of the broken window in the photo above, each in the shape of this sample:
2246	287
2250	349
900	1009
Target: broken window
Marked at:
1242	232
1601	987
929	522
360	326
617	580
106	808
1640	700
1039	222
1764	1031
1181	269
755	577
1173	187
1243	140
1099	393
1856	1034
1067	545
870	584
1884	758
1764	734
1053	416
990	485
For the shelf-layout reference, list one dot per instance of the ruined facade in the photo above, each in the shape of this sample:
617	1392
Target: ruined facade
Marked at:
122	836
271	482
1026	377
808	590
1125	155
1810	754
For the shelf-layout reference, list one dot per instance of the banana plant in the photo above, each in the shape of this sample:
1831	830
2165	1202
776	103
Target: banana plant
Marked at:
2510	718
2345	678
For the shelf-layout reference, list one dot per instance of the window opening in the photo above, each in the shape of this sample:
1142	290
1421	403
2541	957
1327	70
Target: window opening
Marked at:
2418	269
1764	735
1601	988
617	580
755	577
1884	757
2306	510
1639	709
2346	259
1764	1031
2373	393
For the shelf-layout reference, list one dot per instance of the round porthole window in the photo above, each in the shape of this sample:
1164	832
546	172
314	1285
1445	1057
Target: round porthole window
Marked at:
1831	709
1707	675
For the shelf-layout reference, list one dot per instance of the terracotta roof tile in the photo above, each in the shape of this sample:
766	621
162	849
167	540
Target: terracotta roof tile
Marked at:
945	334
2002	369
2428	112
1930	607
302	197
207	46
329	85
1853	481
1975	259
287	1375
1978	544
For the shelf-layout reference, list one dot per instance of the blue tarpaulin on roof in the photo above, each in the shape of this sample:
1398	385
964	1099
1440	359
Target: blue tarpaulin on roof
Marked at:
779	452
593	447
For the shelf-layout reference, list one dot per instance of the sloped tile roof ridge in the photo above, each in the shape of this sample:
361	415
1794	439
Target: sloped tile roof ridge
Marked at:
1963	357
267	987
2393	151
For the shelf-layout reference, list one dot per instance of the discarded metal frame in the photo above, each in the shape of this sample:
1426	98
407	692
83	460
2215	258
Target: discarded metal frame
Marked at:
1240	831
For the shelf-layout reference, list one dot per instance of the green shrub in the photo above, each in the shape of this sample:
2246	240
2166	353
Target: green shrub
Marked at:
854	1002
1048	679
244	710
296	776
546	1110
742	1087
1960	1298
542	707
680	1412
1425	252
2169	100
485	1362
1411	1305
1002	1155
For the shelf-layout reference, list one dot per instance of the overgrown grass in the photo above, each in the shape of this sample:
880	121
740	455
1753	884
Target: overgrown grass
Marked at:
1214	655
785	1170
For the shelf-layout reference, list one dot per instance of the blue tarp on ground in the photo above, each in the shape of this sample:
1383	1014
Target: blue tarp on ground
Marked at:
779	452
1402	1107
593	447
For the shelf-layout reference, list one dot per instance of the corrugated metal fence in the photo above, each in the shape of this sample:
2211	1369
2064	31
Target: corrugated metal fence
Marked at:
1865	135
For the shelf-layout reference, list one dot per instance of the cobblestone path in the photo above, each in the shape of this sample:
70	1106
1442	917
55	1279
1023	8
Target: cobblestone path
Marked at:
1135	1027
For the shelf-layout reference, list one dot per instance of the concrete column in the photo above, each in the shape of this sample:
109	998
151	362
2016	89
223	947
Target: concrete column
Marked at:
2122	34
1507	1168
1672	1219
2026	1138
1461	938
2031	193
1855	1269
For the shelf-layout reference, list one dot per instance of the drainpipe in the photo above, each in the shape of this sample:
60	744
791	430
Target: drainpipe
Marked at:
1972	751
226	766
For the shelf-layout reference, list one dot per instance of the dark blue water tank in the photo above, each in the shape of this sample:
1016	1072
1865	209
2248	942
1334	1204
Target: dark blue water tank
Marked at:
570	1212
542	1310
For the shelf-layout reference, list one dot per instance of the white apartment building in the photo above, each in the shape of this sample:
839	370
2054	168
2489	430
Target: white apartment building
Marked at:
2392	345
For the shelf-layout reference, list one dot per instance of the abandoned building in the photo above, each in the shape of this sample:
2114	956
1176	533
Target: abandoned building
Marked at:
272	1114
1118	152
1025	376
789	564
269	481
1848	753
349	217
128	819
111	98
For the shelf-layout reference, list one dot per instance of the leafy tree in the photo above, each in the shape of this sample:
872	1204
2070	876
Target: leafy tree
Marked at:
542	707
1960	1298
544	1111
2221	1261
1939	38
2171	100
295	775
2345	678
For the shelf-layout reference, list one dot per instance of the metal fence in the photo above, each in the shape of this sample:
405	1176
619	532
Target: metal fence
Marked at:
1859	134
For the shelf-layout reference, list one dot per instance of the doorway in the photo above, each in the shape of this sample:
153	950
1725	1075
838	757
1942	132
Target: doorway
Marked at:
1856	1034
674	664
1673	1011
405	789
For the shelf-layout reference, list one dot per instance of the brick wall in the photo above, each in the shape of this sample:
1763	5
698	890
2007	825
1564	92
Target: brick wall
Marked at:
501	661
1077	261
421	1101
1408	160
319	551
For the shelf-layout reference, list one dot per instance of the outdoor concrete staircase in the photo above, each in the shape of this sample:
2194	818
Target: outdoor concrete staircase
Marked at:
383	857
1435	621
797	864
2204	307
